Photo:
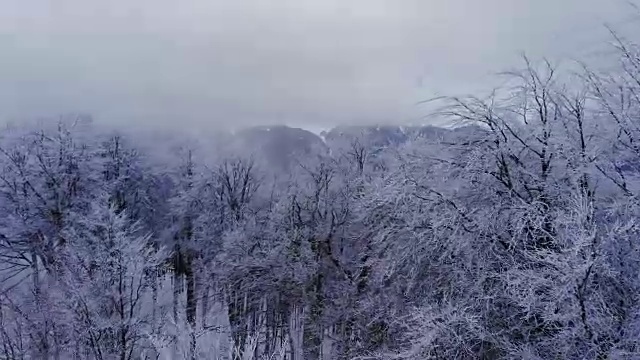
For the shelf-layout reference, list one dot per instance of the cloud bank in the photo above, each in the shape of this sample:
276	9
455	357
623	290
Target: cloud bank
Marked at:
208	63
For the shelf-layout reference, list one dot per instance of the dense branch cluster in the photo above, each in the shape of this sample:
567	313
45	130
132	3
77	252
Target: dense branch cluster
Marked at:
512	236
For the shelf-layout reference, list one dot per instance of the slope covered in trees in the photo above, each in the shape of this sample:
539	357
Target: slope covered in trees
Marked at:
512	236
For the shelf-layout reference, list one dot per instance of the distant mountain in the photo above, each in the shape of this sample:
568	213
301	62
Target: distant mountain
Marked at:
376	136
281	146
383	136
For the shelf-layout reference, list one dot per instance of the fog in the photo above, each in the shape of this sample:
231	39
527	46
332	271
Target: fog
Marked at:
209	63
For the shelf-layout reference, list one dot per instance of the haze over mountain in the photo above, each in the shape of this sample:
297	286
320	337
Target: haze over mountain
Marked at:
306	63
283	147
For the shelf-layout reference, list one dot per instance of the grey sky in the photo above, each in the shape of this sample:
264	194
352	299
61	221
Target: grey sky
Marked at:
305	62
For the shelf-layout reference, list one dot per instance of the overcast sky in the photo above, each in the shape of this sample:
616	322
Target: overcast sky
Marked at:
201	63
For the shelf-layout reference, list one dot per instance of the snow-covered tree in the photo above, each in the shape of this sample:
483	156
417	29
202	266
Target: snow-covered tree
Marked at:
108	287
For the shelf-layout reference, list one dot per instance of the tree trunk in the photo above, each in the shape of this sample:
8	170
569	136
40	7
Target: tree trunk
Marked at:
154	292
205	304
296	332
326	350
191	309
176	295
37	292
237	321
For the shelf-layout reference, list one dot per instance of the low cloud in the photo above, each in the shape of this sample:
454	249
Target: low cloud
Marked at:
208	63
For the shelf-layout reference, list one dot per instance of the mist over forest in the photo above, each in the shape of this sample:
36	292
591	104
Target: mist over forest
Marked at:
492	227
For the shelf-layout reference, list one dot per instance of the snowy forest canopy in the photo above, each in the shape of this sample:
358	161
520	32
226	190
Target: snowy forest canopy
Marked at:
512	236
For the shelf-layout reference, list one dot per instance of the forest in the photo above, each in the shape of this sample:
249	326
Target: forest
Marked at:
512	235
